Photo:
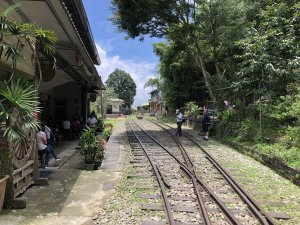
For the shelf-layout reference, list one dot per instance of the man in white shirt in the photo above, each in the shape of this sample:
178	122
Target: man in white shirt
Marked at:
92	120
66	125
179	118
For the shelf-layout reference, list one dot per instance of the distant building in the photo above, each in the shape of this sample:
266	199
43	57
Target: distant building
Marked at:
114	106
156	103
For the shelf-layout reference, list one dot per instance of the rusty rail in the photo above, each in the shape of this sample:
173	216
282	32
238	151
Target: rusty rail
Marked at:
192	175
263	217
160	180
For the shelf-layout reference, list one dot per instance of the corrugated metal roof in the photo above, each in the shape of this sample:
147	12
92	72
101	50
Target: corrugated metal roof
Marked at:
78	17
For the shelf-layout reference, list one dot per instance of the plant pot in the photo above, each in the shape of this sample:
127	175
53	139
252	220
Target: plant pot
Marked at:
97	164
2	190
89	166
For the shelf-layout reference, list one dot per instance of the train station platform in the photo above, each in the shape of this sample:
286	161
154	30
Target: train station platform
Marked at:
73	195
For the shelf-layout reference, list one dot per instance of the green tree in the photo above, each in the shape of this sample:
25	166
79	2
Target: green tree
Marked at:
179	76
270	58
123	85
207	28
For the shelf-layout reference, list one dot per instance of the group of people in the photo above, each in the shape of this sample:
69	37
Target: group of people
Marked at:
46	140
205	123
72	129
45	143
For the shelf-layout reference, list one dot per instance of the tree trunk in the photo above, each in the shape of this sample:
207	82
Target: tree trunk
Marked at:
218	69
206	75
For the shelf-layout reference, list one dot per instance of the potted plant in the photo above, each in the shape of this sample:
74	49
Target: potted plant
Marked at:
100	155
106	133
89	148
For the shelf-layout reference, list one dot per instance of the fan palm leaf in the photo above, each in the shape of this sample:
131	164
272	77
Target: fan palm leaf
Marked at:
19	104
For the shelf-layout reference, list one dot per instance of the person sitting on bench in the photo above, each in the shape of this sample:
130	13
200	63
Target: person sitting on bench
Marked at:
42	146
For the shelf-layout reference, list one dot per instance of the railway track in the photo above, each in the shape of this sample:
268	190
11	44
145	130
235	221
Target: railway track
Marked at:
189	191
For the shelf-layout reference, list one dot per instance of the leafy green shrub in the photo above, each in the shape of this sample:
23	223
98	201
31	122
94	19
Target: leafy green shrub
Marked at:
289	156
89	147
106	132
228	122
284	110
100	125
293	135
192	110
249	129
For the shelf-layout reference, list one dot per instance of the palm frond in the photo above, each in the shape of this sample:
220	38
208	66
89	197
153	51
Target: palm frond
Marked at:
5	24
47	40
19	103
29	125
9	10
13	134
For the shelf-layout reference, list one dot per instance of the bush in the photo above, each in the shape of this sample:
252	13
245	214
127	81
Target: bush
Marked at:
289	156
100	125
249	129
106	133
293	135
228	122
192	110
88	146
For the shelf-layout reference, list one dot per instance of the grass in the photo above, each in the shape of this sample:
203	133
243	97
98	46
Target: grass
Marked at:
275	142
262	179
113	121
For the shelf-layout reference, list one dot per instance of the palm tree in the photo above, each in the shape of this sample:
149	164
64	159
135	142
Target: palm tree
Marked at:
153	82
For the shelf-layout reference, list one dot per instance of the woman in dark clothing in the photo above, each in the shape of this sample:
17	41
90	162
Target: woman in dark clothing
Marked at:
205	124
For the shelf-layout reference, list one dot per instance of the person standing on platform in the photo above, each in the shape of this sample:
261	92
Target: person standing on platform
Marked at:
205	124
179	118
66	125
92	120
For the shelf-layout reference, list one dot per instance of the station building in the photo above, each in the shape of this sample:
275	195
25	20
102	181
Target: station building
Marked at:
70	80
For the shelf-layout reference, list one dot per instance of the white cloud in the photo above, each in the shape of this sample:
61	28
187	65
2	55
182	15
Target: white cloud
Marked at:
140	72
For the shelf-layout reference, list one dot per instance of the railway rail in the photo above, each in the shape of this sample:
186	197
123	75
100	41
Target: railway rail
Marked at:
187	191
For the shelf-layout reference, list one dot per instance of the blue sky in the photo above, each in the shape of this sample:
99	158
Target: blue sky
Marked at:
132	56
